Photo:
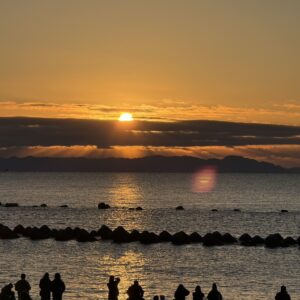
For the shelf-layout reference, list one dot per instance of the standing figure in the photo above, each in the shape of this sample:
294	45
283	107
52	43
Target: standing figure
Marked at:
135	291
113	290
22	287
57	287
45	287
181	292
283	294
214	294
198	295
7	293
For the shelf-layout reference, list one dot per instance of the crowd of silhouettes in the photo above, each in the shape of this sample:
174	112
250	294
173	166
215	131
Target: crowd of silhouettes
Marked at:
181	292
47	286
136	292
56	287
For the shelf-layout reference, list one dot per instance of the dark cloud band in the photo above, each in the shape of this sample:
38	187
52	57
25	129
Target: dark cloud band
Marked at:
19	132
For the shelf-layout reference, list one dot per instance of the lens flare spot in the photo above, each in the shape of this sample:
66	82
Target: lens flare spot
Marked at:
204	180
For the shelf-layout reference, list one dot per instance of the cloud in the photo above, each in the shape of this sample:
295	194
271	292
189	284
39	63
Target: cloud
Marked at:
167	110
19	132
46	137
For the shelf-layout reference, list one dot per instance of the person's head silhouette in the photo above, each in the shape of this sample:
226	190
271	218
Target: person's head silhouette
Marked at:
198	289
57	276
283	289
23	276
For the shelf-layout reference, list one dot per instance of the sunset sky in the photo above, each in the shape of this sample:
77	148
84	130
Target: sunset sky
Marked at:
166	62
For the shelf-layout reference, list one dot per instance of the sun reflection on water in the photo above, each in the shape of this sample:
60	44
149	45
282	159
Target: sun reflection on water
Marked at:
125	191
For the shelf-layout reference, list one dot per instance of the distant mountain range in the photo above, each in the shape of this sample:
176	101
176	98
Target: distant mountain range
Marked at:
229	164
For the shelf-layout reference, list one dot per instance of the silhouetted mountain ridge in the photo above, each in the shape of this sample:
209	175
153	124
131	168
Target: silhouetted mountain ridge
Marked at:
229	164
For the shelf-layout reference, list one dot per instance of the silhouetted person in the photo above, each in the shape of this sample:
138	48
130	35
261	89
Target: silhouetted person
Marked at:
7	293
22	287
135	291
57	287
45	287
156	298
214	294
198	295
181	292
113	290
283	294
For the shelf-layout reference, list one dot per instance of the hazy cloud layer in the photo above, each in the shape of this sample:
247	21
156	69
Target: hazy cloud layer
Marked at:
287	113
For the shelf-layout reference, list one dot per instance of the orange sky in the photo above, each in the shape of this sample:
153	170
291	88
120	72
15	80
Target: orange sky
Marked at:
226	60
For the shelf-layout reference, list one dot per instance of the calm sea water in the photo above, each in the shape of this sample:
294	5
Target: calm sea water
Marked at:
241	272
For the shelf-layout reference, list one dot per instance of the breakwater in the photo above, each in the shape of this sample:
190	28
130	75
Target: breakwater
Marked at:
121	235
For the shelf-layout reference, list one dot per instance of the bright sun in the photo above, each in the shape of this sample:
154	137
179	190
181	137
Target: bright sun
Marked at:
126	117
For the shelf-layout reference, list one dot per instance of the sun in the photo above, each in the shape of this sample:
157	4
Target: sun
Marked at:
126	117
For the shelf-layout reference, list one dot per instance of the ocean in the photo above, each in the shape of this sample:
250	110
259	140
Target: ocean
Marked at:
240	272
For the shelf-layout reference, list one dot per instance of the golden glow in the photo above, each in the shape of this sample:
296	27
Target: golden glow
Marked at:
126	117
